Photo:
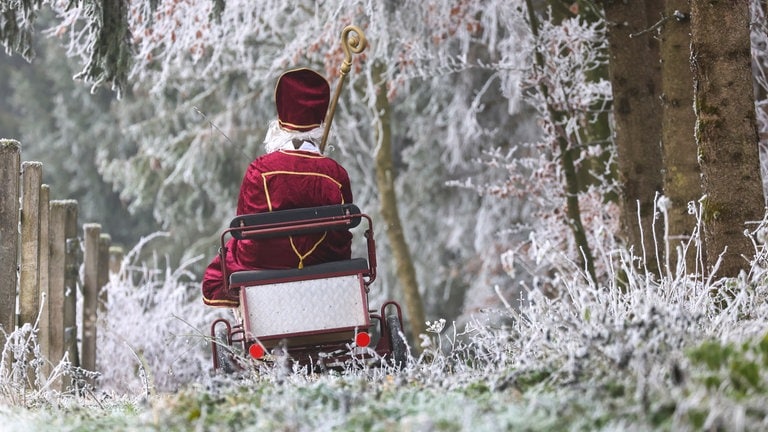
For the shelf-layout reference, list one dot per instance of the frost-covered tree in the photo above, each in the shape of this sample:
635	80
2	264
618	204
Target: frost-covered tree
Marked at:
105	30
560	86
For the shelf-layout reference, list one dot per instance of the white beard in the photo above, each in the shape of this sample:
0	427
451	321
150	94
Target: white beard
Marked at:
278	138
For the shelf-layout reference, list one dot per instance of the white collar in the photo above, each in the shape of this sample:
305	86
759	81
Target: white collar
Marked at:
309	146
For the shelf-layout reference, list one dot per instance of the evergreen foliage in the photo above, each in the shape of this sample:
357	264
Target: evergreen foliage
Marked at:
66	127
17	19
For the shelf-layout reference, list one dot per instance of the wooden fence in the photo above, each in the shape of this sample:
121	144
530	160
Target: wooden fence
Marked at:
41	253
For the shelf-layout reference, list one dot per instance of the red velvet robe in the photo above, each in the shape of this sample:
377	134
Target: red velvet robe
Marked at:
281	180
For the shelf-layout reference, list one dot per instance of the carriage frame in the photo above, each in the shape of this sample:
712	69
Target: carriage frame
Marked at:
317	315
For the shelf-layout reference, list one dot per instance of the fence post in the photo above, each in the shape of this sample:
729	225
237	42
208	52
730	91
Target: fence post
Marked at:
61	291
10	163
71	270
115	258
44	334
91	265
105	241
29	288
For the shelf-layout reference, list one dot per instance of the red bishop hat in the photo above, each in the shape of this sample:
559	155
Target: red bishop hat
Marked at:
301	97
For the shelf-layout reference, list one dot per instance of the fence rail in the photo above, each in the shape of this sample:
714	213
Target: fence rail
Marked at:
40	259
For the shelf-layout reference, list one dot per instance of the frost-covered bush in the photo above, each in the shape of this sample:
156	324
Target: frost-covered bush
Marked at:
682	352
632	352
684	349
154	334
27	378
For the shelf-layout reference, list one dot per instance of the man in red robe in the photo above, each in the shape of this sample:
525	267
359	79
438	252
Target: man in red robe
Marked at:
292	174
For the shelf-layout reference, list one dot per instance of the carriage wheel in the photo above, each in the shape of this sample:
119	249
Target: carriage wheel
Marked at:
397	342
223	353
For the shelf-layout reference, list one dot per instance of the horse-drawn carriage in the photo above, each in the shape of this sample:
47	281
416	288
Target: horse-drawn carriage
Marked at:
318	315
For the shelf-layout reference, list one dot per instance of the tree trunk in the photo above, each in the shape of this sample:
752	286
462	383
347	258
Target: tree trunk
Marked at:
726	132
635	80
682	176
385	180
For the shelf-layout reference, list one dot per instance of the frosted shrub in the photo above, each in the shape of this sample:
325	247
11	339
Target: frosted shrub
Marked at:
628	350
29	379
22	369
641	335
154	335
682	349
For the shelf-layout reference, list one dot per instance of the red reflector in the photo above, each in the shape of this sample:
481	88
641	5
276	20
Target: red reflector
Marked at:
256	351
362	339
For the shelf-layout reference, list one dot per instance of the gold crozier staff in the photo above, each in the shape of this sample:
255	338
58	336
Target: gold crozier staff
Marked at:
351	43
